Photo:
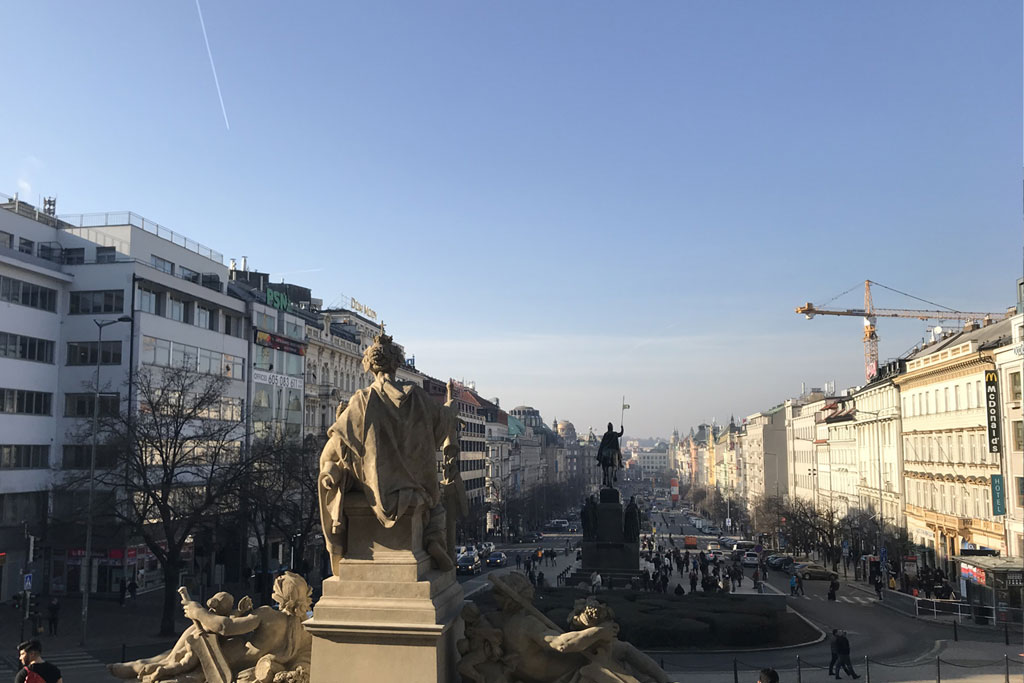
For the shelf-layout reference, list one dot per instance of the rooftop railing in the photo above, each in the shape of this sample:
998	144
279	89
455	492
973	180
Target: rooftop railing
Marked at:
116	218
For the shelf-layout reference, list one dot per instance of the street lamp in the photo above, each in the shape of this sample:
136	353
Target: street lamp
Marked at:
87	560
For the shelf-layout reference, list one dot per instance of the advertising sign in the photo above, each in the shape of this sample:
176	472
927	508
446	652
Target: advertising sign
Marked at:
998	495
992	410
276	380
674	489
280	343
972	573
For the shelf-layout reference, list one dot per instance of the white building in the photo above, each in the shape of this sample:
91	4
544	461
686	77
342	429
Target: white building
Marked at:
877	424
59	277
1009	361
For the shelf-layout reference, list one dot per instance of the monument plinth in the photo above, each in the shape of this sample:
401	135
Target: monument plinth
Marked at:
387	614
607	548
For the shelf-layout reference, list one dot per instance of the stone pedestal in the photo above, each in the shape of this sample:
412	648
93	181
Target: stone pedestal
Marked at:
609	553
386	615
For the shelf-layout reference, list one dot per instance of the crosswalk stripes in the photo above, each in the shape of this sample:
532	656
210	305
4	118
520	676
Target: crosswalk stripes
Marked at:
856	600
73	659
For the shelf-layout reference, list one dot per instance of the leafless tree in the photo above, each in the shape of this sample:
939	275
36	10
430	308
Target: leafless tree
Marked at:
175	459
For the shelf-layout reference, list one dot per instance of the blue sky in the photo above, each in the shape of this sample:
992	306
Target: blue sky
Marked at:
564	202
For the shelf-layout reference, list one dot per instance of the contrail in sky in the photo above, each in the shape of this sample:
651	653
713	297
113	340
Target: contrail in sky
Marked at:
216	82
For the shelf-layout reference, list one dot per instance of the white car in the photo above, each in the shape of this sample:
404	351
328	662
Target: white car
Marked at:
750	559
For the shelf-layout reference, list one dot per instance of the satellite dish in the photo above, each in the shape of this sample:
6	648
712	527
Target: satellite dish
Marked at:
938	329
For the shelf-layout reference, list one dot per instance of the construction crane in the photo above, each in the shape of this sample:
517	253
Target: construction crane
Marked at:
870	314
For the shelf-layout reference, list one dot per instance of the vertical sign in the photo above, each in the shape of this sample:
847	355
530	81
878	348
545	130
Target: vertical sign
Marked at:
992	410
998	495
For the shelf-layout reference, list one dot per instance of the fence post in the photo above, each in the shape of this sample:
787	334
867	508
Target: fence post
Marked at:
938	670
1006	667
867	668
956	634
1006	632
799	674
735	672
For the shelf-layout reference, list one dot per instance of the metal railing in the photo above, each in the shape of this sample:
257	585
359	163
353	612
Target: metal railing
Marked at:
116	218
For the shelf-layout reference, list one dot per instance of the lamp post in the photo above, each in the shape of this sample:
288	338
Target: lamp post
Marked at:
87	560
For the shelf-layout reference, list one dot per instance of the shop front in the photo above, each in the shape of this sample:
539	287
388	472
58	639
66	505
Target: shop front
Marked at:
993	586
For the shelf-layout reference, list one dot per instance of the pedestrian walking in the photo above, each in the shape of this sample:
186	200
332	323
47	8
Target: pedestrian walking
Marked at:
799	584
843	648
519	560
133	589
595	583
30	654
878	586
833	647
833	587
792	585
693	580
53	614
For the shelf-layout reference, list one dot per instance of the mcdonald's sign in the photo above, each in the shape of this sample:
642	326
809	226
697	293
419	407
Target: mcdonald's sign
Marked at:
992	410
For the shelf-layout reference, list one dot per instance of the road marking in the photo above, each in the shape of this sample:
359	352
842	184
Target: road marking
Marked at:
74	659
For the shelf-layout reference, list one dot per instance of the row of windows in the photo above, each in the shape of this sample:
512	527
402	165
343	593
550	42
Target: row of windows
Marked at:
472	446
27	294
24	457
168	267
26	348
77	457
471	465
962	397
81	405
189	312
84	353
166	353
24	402
98	301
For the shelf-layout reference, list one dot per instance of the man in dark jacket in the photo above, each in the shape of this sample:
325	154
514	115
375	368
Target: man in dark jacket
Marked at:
30	653
843	649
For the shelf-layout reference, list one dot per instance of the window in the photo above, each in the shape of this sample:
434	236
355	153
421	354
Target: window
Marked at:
23	402
176	309
6	240
163	265
957	402
146	301
267	323
105	254
75	256
981	394
77	457
1018	435
27	294
31	457
81	405
26	246
1015	386
1020	492
156	351
25	348
233	366
184	356
100	301
188	274
15	508
84	353
945	399
970	395
202	317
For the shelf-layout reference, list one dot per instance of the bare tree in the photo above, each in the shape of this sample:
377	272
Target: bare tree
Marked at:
176	459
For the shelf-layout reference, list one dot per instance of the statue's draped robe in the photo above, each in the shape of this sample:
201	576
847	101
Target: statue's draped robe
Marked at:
387	438
608	452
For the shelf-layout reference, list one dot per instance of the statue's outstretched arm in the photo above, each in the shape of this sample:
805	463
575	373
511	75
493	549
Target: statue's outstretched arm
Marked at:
225	626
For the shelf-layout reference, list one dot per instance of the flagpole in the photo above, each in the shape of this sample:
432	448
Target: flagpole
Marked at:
622	413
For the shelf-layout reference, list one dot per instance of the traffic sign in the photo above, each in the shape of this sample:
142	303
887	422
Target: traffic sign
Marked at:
28	581
728	522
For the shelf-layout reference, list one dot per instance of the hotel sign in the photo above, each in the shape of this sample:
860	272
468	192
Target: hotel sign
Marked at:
992	410
364	309
998	495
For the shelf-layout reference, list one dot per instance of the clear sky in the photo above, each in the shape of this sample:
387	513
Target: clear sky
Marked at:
566	202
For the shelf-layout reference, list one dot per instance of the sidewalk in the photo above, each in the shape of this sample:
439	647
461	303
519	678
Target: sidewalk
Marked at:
111	628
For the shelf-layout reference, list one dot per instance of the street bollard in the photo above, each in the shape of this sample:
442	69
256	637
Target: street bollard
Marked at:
938	670
1006	667
735	671
956	634
799	674
867	669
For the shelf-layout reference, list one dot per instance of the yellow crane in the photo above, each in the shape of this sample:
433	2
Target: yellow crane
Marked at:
870	314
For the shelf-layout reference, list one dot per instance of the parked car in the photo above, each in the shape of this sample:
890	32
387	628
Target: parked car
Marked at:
533	537
485	548
750	559
468	563
717	552
779	561
713	530
497	559
812	570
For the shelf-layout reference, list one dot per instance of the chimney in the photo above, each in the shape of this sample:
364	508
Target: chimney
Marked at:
970	326
245	264
231	265
986	321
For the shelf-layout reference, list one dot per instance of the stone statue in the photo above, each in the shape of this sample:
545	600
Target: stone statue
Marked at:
264	645
536	650
453	490
631	521
588	519
481	650
384	443
609	455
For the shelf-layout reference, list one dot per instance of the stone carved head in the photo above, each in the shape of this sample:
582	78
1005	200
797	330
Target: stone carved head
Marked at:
383	356
589	612
517	583
293	594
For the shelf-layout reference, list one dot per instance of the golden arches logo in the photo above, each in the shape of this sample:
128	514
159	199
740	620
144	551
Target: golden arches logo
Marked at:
991	376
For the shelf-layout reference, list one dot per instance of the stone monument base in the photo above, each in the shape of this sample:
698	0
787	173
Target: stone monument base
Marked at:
386	615
610	554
